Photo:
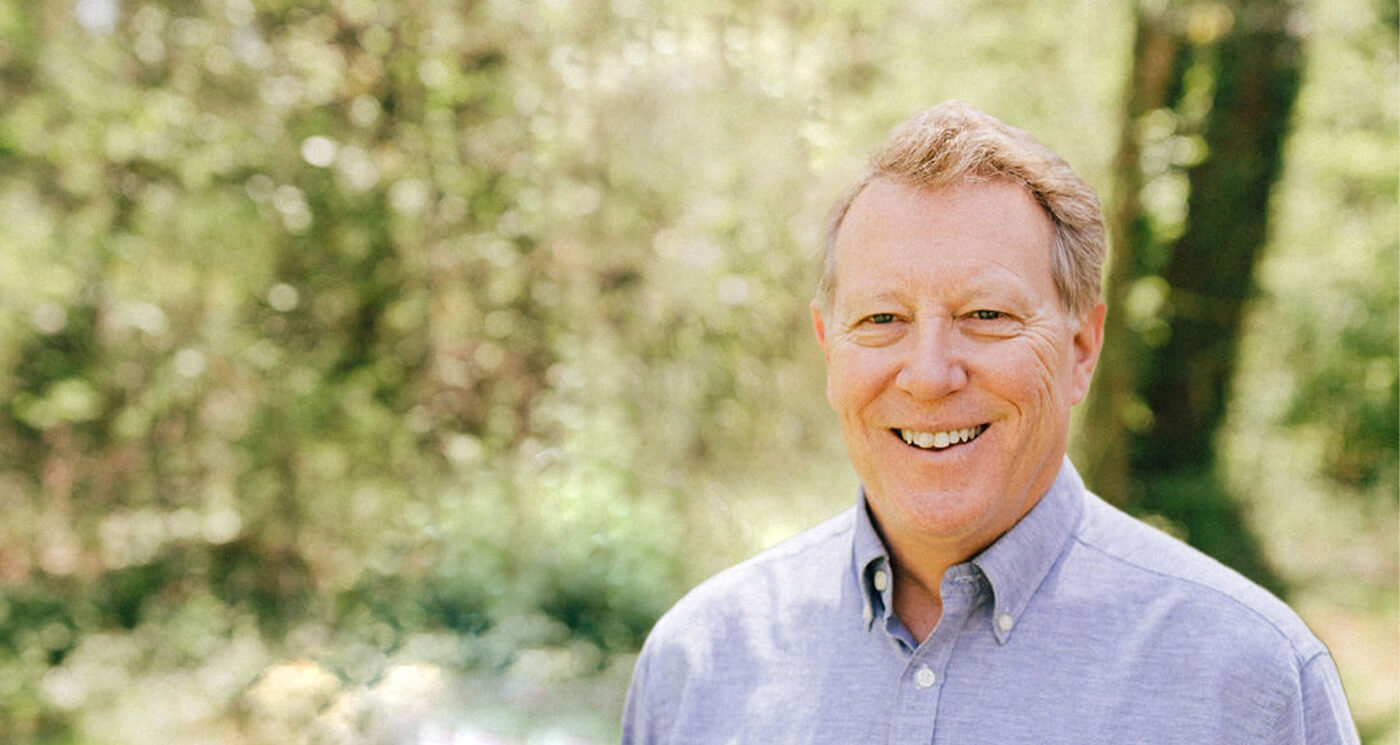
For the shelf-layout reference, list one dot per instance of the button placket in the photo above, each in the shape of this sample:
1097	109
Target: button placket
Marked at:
916	710
921	685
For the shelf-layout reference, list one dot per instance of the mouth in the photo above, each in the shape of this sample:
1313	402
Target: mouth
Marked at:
940	440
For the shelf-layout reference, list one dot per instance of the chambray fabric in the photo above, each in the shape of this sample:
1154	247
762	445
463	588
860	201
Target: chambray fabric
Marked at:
1079	625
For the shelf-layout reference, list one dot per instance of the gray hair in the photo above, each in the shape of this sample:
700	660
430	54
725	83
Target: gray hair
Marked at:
954	142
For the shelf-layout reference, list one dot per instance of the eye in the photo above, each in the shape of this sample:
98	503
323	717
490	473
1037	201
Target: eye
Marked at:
880	318
991	324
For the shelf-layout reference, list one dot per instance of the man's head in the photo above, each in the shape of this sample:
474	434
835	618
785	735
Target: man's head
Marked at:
954	142
961	323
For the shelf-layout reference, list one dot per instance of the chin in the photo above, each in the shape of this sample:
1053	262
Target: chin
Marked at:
939	514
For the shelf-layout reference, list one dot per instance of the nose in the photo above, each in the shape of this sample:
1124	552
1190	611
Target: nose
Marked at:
934	364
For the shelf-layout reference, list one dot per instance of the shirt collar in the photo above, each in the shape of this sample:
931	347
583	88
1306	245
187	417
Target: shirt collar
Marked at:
1015	565
870	557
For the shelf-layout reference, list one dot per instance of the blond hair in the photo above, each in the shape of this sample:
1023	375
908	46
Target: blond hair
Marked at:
954	142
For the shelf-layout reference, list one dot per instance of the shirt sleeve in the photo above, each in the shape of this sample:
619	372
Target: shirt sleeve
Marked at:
639	726
1321	716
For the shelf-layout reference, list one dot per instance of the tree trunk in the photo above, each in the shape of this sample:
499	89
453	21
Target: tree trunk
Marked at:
1109	407
1178	291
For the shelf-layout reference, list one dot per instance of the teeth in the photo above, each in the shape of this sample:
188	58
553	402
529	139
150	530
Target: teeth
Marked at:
940	440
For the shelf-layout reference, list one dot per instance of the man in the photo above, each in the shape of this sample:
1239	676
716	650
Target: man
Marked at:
977	593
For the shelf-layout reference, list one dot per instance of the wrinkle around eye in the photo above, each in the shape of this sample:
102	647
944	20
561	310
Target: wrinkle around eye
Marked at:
882	318
869	333
999	325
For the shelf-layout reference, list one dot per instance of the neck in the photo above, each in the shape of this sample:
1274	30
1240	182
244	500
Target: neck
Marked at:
918	598
918	563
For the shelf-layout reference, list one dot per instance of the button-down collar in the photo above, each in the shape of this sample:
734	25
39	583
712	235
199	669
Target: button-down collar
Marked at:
870	557
1014	565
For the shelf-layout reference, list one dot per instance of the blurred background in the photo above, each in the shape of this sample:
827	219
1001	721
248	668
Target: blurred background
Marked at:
379	372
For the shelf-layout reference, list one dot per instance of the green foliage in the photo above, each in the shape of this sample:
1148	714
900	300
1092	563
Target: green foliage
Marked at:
1331	281
352	349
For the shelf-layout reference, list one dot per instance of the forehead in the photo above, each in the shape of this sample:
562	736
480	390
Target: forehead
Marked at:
896	233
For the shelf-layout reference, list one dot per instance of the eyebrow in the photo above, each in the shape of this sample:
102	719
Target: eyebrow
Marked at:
881	297
998	293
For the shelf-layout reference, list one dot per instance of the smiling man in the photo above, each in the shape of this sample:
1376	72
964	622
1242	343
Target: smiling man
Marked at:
976	593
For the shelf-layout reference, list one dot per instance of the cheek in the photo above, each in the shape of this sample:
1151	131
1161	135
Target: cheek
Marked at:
837	380
1036	376
854	381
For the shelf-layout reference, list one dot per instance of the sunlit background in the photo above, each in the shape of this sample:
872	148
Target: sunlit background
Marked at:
378	372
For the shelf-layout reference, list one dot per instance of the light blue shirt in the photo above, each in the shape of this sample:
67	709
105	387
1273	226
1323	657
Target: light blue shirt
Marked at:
1079	625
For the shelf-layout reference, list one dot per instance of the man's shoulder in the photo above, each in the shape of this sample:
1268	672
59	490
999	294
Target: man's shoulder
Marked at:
735	660
1163	566
764	585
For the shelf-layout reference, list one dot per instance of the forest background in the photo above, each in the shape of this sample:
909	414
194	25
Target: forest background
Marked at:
379	372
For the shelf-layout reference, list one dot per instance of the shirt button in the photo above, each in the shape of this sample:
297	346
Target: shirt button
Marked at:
1005	622
882	581
924	678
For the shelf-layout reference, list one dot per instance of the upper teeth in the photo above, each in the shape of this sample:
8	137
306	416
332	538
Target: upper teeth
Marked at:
940	440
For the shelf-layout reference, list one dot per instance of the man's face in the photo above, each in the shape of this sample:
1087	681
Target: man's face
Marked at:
951	362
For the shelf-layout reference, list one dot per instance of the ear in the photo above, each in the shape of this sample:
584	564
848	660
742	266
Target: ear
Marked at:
1088	341
819	326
